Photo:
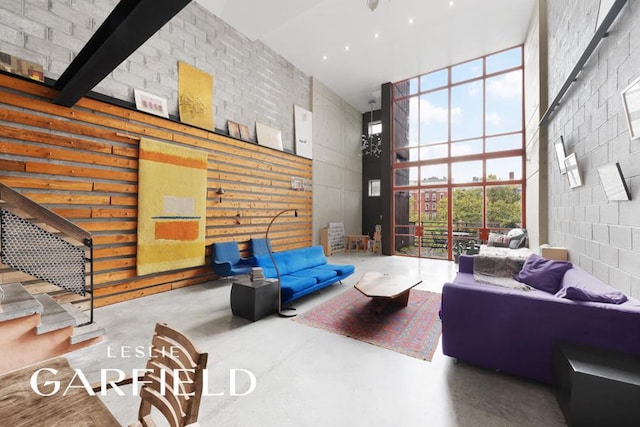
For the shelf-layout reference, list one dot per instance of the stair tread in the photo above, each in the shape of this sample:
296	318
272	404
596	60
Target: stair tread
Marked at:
78	314
54	316
17	302
86	332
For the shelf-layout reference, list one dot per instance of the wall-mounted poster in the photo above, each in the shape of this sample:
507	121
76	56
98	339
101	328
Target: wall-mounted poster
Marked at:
303	120
195	96
172	207
268	136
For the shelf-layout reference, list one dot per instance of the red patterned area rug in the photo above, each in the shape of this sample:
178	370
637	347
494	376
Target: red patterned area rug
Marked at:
413	330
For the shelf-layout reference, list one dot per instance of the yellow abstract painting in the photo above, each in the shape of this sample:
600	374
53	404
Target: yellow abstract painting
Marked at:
172	196
195	96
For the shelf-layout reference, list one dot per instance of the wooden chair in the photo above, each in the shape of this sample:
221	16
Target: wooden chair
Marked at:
173	353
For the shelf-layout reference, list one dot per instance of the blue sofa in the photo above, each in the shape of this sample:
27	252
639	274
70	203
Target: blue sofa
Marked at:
302	271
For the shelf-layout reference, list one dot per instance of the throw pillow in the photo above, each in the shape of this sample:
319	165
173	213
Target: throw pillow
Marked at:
576	293
518	241
498	240
543	274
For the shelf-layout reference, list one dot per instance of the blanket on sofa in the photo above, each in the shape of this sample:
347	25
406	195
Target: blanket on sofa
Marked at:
499	271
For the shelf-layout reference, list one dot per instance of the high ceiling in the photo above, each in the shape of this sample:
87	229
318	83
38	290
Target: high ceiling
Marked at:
305	31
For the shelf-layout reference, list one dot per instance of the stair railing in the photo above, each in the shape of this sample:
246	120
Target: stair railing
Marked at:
40	253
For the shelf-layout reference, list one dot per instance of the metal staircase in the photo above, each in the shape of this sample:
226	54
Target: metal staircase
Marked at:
38	242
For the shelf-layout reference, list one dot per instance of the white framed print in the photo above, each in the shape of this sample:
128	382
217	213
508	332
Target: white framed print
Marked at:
150	103
303	121
573	172
631	105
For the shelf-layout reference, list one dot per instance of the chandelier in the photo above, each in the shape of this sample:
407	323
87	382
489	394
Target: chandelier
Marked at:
371	144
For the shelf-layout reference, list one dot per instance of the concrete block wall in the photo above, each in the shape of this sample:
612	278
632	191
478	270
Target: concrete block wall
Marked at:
337	162
602	237
251	82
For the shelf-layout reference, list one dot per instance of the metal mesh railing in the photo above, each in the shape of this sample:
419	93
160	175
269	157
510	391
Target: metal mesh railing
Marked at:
41	254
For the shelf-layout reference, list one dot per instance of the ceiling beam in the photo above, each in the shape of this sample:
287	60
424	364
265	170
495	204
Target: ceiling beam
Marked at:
129	25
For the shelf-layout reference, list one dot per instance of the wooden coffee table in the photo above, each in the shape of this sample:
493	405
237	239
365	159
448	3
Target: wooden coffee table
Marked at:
386	289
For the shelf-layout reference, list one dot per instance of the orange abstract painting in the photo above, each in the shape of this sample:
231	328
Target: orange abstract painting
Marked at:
172	196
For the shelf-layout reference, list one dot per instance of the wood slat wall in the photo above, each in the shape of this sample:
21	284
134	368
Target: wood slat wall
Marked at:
80	163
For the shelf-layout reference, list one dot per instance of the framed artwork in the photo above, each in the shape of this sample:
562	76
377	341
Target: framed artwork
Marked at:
560	154
615	187
631	104
244	133
268	136
21	67
150	103
234	129
573	172
304	131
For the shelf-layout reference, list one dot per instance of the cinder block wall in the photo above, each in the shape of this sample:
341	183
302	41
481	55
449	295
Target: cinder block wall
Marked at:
251	81
602	237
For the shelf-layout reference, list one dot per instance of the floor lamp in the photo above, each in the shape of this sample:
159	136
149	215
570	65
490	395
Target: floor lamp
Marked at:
280	313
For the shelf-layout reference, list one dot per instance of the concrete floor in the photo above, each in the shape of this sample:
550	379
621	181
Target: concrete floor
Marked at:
309	377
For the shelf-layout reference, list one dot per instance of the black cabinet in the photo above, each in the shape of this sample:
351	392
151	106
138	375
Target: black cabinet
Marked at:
254	300
596	387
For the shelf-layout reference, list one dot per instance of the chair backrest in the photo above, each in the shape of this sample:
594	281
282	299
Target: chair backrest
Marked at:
226	252
173	355
259	246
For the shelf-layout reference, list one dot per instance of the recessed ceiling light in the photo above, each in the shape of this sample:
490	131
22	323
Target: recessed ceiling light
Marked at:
410	20
324	57
376	36
346	48
450	3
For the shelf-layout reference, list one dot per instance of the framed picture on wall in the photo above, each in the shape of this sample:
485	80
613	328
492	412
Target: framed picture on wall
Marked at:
150	103
573	172
615	187
234	129
631	104
561	154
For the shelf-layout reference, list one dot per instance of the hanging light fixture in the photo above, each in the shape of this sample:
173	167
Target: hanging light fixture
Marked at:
372	4
371	144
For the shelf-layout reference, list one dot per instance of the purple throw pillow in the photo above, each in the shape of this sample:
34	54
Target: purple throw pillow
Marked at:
580	294
543	274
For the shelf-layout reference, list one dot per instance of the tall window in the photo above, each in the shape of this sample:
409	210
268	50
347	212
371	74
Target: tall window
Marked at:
460	131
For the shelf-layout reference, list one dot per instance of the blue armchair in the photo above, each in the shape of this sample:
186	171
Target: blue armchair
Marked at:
259	246
227	261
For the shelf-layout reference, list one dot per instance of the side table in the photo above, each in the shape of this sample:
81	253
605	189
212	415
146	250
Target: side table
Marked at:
254	300
596	387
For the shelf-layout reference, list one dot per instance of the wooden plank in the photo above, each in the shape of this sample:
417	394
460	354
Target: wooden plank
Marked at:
69	199
70	155
12	165
54	139
80	171
45	184
37	211
117	251
113	213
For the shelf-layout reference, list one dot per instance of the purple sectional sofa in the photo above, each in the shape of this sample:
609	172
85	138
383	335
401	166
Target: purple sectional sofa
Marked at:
514	331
